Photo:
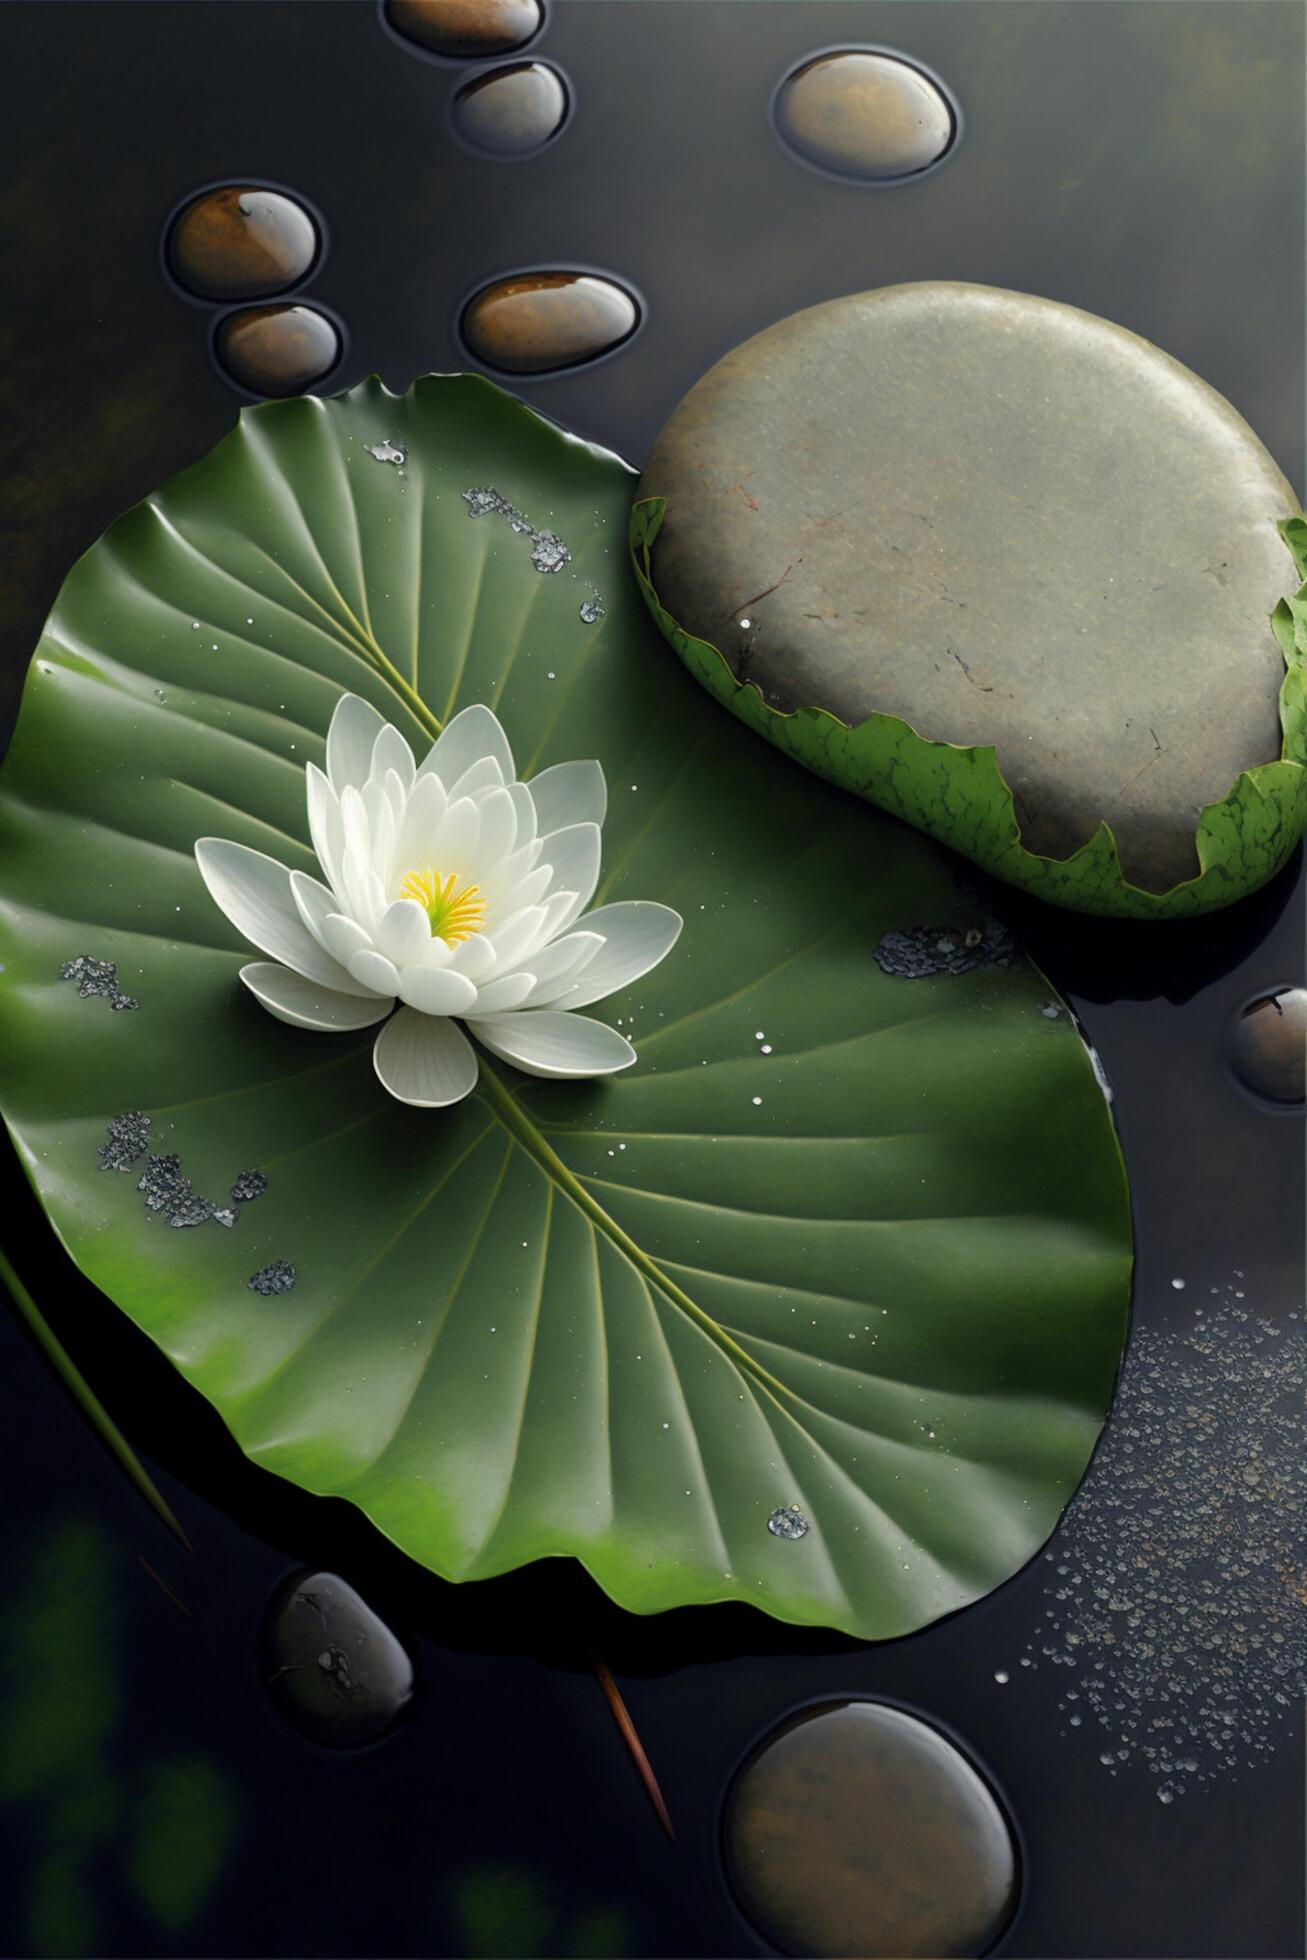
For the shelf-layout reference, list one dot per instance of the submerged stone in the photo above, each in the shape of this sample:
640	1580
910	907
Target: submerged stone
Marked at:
240	243
333	1669
1268	1045
466	29
512	111
540	321
864	115
277	350
1006	522
858	1829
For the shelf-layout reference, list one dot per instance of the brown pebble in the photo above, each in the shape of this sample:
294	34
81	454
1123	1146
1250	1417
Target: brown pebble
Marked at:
277	350
540	321
857	1829
513	110
241	243
1268	1040
865	115
466	29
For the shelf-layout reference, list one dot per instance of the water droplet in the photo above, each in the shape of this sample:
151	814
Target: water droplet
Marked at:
466	30
334	1670
238	242
1002	1677
1268	1044
277	350
592	609
838	1828
387	452
513	111
788	1522
867	116
1178	1284
537	322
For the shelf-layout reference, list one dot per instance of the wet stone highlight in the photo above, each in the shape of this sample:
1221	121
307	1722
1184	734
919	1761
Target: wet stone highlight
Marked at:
1268	1045
277	350
857	1829
512	111
334	1670
241	243
466	30
865	116
98	979
540	322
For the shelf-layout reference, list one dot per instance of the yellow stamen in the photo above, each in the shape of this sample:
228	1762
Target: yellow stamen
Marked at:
455	913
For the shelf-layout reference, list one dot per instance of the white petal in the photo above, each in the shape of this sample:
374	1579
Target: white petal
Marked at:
527	891
475	957
470	735
455	839
524	805
555	1045
396	796
637	934
423	811
496	834
344	937
376	972
570	792
574	855
500	882
254	892
350	740
381	825
485	774
436	990
302	1003
404	933
425	1060
557	967
503	995
517	937
391	751
318	908
326	826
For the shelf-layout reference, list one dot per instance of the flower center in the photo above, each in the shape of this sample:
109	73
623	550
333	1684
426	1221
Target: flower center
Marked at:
455	910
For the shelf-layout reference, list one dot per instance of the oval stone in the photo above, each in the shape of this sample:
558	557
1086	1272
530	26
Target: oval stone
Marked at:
1268	1045
864	115
858	1829
334	1670
1005	521
277	350
512	111
466	30
237	242
539	321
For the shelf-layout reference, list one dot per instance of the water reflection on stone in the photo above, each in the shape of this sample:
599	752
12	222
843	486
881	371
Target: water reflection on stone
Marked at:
466	29
1268	1045
857	1829
512	111
864	115
277	350
538	322
334	1670
239	243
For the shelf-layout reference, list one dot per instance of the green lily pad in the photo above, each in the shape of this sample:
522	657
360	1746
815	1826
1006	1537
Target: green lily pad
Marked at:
838	1241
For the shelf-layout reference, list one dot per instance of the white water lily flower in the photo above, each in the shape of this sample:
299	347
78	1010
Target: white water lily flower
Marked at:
453	889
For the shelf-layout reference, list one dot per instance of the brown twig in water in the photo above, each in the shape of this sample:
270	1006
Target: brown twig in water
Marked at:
164	1588
612	1695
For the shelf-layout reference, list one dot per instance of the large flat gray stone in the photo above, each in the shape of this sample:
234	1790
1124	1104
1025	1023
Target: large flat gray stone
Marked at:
1006	521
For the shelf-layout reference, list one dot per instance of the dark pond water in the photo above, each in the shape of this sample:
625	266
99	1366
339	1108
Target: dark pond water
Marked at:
1142	161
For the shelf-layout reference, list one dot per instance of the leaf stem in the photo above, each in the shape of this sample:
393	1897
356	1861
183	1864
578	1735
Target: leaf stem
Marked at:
87	1401
621	1715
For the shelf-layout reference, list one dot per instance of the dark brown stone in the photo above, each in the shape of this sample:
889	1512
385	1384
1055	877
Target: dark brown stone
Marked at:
241	243
1007	522
864	115
466	29
1268	1041
856	1829
540	321
513	110
277	350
